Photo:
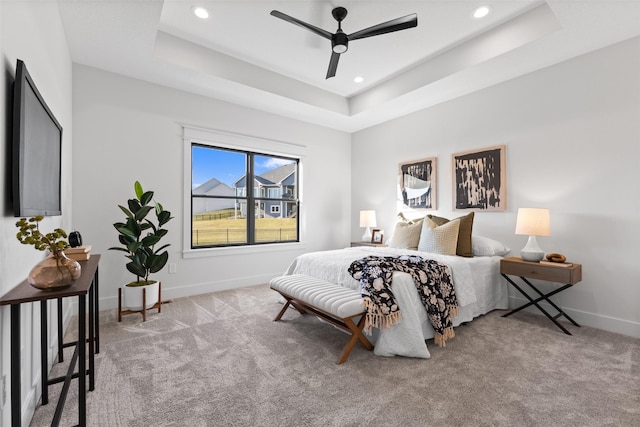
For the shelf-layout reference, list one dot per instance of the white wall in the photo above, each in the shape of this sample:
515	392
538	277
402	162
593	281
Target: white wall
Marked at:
131	130
31	31
572	136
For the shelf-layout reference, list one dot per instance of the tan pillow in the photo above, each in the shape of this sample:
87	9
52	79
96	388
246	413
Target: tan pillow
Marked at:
437	239
464	247
406	235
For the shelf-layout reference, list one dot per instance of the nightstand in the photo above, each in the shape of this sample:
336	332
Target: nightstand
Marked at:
378	245
566	275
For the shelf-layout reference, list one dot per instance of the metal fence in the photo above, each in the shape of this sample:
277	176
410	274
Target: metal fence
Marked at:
225	236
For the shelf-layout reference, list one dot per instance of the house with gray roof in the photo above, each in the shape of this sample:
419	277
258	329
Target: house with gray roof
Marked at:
278	183
213	187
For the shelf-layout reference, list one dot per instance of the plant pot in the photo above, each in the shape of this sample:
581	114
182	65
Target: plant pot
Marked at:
54	272
133	296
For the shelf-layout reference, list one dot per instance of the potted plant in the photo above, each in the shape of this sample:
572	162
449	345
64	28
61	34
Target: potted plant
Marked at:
139	235
56	270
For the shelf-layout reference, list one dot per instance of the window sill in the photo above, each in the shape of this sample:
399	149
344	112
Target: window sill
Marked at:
242	250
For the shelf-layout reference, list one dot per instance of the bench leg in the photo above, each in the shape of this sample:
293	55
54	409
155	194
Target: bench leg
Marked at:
279	316
290	301
356	335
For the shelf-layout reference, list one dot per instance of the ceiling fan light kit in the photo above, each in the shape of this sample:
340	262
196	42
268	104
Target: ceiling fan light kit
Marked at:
340	40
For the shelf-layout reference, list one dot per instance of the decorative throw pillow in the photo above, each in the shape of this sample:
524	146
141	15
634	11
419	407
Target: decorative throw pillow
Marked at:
484	246
440	239
464	235
406	235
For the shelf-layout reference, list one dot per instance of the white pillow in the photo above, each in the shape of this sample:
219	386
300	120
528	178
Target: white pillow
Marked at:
441	239
484	246
406	236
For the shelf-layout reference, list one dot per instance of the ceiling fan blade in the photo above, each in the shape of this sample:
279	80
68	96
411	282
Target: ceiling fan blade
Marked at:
397	24
333	65
312	28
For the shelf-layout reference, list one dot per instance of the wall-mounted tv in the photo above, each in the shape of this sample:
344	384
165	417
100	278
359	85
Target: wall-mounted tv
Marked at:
37	151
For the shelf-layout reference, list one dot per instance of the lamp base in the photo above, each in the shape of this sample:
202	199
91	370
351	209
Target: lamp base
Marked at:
532	252
366	237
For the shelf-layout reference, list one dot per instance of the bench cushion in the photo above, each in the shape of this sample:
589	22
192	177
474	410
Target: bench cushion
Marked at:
335	299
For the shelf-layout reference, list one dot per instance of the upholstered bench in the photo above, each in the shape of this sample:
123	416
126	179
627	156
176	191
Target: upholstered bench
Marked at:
333	303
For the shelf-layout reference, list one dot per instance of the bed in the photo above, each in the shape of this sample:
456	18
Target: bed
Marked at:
477	282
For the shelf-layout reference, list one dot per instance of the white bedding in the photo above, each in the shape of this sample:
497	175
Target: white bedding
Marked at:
477	282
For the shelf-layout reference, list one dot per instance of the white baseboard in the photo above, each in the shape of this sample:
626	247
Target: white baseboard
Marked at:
583	318
594	320
111	302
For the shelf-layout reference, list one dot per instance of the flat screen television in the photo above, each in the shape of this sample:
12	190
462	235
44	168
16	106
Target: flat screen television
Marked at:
37	151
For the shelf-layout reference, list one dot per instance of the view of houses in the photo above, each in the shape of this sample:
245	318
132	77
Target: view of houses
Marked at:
276	184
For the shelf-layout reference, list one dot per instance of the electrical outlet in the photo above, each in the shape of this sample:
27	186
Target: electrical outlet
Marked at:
173	268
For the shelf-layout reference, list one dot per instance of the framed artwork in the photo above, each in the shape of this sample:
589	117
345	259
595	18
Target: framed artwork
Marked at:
417	184
479	181
376	236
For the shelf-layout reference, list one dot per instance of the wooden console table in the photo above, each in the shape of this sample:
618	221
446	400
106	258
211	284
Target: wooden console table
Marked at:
85	285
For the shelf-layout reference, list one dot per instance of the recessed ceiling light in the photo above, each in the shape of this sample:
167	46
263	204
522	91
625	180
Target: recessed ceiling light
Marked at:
200	12
481	12
358	79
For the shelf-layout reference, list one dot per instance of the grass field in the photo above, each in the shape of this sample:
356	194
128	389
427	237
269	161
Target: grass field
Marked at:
227	230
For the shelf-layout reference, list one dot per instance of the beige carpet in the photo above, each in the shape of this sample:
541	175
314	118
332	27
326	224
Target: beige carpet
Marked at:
219	360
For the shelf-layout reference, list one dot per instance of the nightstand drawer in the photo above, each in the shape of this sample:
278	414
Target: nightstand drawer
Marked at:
533	270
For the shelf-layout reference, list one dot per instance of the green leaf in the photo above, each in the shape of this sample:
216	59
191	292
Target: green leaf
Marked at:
136	269
158	262
126	211
163	247
134	205
133	226
161	232
164	217
127	232
150	240
146	197
134	246
142	212
138	189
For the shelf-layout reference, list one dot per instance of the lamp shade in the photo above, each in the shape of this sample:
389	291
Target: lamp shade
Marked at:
533	222
367	218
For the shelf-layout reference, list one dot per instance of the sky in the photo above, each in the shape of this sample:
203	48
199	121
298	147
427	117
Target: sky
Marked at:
226	166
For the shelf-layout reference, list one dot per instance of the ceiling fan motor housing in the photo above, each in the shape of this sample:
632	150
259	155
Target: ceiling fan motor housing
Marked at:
339	42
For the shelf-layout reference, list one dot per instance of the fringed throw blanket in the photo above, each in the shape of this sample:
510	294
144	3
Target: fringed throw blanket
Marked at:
432	279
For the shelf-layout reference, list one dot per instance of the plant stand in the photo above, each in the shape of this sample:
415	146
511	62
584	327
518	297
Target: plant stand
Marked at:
157	305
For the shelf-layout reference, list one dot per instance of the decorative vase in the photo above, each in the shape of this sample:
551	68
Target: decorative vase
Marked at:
133	296
54	272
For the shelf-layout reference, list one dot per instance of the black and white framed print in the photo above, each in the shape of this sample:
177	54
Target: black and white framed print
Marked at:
417	183
479	181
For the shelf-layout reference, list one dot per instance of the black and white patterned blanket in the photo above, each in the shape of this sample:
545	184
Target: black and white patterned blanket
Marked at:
432	279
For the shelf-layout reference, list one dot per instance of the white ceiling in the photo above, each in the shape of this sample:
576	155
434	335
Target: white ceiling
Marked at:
243	55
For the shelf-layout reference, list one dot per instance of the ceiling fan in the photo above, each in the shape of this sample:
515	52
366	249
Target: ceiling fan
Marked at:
340	40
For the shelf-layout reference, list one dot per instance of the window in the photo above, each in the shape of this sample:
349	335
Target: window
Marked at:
242	197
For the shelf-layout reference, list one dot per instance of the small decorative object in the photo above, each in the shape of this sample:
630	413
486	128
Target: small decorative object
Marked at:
139	235
56	271
367	219
417	184
532	222
558	258
479	181
75	239
376	236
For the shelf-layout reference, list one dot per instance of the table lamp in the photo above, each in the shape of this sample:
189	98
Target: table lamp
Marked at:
367	219
532	222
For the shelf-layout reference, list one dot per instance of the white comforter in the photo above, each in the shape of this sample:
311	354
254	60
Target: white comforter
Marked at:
477	282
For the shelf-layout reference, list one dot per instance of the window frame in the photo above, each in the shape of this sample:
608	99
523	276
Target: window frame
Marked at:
238	142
